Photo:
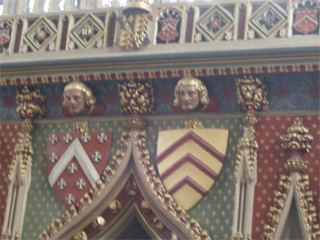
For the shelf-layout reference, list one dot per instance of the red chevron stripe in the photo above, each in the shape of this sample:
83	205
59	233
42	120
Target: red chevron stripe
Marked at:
193	184
195	161
197	139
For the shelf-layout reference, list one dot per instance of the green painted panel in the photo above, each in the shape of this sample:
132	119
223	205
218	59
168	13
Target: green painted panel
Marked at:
214	212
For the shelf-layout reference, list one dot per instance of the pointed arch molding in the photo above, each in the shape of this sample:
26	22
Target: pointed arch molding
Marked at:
133	190
292	189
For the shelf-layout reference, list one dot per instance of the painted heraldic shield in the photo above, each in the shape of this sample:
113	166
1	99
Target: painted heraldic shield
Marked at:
306	20
189	162
75	161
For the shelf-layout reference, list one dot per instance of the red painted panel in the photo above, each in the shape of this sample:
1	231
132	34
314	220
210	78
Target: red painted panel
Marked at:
271	160
9	138
241	23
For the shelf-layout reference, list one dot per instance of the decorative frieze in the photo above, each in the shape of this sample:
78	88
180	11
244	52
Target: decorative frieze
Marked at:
159	74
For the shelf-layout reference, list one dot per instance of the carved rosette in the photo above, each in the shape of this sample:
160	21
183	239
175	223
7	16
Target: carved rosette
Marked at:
276	210
160	192
297	141
252	94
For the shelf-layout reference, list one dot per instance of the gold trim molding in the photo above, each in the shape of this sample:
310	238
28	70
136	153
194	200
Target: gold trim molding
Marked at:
136	75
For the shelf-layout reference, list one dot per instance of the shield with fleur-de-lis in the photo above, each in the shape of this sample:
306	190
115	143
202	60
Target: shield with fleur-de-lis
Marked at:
75	162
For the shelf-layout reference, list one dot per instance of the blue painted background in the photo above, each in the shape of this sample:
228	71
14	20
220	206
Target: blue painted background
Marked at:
288	91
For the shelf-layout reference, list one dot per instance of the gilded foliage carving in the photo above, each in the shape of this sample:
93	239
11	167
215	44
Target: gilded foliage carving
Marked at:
252	94
30	103
136	98
248	144
297	139
277	208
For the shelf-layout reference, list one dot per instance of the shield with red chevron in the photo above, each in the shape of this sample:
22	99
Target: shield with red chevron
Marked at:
75	161
189	162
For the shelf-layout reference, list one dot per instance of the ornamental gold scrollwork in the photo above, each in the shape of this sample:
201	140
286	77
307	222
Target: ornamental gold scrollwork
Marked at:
252	94
158	189
136	98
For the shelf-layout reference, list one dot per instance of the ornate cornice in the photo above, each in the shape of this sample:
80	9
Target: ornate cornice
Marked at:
136	75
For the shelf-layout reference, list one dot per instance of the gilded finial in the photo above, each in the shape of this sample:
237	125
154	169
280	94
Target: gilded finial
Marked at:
296	141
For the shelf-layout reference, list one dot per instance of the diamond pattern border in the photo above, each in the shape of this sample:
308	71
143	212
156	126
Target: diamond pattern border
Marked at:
214	22
87	22
31	31
268	19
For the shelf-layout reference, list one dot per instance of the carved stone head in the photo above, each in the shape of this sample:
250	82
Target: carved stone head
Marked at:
191	94
78	98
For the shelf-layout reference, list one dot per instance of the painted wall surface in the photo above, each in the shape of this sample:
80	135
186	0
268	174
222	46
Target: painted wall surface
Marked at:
214	211
8	139
271	160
